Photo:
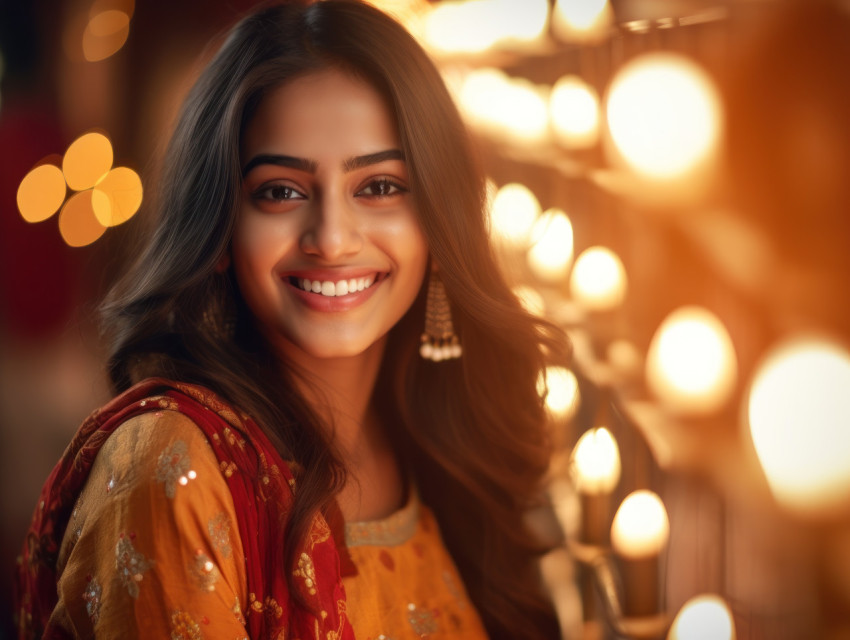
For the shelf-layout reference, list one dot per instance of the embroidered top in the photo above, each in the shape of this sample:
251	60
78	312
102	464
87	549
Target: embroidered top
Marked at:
406	585
155	544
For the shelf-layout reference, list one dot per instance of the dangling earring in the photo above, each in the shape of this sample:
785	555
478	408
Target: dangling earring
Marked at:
439	342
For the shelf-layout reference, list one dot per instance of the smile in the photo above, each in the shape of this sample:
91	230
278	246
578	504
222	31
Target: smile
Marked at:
331	289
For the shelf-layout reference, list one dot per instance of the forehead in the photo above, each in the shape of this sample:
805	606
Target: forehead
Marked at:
321	114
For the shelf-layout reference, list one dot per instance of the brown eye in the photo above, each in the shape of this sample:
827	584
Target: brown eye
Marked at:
277	193
381	188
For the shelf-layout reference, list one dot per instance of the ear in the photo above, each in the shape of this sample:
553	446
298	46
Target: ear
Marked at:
223	262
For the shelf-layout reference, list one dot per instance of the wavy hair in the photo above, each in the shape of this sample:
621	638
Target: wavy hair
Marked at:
472	431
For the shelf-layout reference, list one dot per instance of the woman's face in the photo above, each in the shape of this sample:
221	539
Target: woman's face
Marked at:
327	250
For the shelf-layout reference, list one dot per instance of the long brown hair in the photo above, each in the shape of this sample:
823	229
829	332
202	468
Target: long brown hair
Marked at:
472	430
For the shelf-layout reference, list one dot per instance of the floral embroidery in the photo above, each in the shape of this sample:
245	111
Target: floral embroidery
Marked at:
227	468
269	605
183	627
319	531
91	596
172	464
205	572
422	622
307	571
237	611
219	530
131	564
269	478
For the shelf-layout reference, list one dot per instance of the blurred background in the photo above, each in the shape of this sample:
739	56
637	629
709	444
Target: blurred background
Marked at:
669	183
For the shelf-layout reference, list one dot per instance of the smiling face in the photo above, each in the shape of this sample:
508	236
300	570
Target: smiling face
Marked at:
327	249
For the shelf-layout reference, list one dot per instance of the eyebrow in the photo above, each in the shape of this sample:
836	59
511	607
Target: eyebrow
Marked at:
310	166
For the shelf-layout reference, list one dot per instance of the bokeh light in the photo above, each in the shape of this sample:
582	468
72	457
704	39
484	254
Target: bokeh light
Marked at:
799	412
691	363
41	193
595	462
582	21
77	222
574	112
87	160
560	388
514	210
598	280
105	34
641	527
474	26
551	252
504	107
664	116
703	617
117	197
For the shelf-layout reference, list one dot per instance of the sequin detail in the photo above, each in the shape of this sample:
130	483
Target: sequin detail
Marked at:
205	572
237	611
183	627
307	571
172	464
421	621
219	530
91	596
131	565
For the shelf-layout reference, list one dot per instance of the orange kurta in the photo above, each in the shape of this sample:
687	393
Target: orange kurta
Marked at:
152	550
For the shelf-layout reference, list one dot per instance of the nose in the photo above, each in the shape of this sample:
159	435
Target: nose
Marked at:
332	231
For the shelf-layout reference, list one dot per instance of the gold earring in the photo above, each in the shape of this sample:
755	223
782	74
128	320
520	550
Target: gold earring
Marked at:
439	341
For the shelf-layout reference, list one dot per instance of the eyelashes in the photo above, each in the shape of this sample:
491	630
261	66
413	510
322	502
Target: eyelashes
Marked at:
373	189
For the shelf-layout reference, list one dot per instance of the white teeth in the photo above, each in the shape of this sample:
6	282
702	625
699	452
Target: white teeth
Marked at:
331	289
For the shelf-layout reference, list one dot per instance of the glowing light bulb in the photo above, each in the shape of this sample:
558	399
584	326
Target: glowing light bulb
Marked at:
640	528
515	208
574	112
799	412
41	193
87	160
596	462
480	92
704	617
551	253
560	387
598	280
582	21
664	116
530	299
524	113
691	363
473	26
461	27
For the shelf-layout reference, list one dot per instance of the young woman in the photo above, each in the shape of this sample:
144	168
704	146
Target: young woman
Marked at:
292	390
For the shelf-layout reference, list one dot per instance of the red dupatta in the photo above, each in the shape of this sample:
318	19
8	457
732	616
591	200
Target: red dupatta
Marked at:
261	484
